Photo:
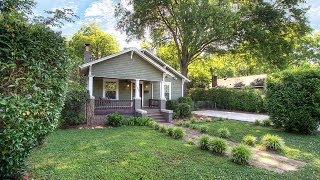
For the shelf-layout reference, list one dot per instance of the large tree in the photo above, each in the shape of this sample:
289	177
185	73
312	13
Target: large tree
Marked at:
198	26
101	43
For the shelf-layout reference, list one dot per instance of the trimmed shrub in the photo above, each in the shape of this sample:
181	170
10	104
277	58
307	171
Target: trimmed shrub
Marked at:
170	131
186	100
172	105
241	154
224	132
257	122
177	133
114	119
249	140
34	75
246	99
184	110
292	99
203	129
217	145
266	122
203	142
272	142
73	110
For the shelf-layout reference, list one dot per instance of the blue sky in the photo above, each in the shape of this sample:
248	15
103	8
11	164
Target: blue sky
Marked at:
101	11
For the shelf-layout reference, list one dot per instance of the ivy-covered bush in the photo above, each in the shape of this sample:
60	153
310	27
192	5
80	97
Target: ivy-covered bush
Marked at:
246	99
34	71
73	110
186	100
293	99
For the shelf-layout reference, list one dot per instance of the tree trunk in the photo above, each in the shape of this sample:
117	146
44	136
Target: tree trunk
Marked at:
184	62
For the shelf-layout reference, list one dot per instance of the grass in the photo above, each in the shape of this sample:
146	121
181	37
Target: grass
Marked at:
138	152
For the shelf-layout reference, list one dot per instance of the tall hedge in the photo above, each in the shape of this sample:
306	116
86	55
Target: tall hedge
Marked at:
246	99
34	71
293	99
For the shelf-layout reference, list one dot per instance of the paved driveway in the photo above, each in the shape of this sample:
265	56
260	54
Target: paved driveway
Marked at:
232	115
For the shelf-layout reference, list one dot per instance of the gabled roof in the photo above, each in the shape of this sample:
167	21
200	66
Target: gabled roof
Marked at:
158	60
132	50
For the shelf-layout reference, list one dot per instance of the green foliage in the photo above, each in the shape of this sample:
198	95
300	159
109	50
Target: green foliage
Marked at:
266	122
170	131
249	140
101	43
193	120
163	129
208	119
272	142
184	110
204	129
193	126
246	99
293	99
217	145
257	122
178	133
180	123
115	119
156	126
241	154
203	142
172	105
187	124
73	110
34	71
224	132
186	100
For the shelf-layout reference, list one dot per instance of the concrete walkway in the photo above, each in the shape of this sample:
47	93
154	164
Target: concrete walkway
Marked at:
231	115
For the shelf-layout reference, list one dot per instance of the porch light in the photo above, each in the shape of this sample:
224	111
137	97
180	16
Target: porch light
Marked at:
128	85
146	86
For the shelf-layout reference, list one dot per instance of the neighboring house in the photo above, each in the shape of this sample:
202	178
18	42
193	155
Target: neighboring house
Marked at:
256	81
131	81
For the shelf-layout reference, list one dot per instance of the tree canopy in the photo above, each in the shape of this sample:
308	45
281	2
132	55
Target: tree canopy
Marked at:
101	43
265	27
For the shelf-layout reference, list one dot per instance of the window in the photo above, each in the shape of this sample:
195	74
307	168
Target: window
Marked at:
110	89
167	90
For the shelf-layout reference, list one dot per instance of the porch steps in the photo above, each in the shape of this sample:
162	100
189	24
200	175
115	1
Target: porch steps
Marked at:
155	114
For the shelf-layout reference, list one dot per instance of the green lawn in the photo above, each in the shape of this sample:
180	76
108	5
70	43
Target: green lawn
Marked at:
138	152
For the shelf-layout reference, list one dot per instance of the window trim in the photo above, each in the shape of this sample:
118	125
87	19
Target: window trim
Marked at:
167	83
104	87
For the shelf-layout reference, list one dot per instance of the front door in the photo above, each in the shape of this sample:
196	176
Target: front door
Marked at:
134	92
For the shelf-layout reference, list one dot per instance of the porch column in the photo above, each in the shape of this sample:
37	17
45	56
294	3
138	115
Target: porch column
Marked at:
162	96
90	85
137	96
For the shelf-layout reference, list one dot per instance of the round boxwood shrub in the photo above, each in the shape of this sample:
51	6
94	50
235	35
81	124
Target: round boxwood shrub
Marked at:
172	105
241	154
115	119
224	132
249	140
203	142
272	142
292	99
217	145
184	110
177	133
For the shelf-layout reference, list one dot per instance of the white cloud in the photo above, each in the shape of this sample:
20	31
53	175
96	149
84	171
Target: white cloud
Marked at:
102	12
